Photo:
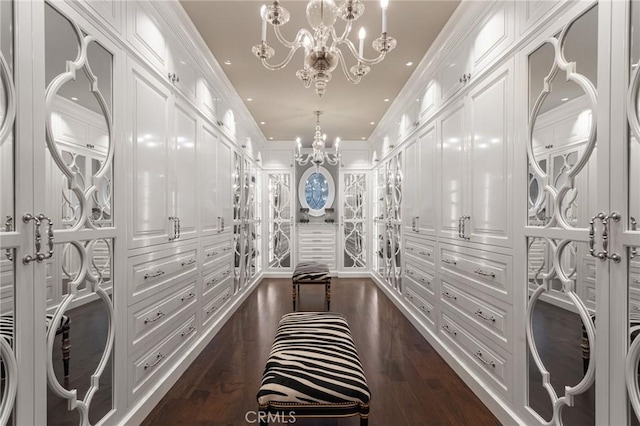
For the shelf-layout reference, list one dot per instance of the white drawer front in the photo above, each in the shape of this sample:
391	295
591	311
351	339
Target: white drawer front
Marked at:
211	309
215	252
152	273
425	308
147	322
494	365
212	280
487	272
147	366
493	319
424	250
425	280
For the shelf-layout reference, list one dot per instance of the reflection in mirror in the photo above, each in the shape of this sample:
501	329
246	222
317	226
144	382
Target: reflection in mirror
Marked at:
8	371
279	190
633	110
79	184
379	258
354	202
633	380
558	334
7	113
238	183
562	128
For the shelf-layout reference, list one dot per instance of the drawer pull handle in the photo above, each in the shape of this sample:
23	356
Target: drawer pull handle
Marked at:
425	253
188	296
484	361
226	296
485	274
227	272
424	308
159	358
154	274
159	315
211	281
449	295
213	253
211	310
188	262
425	281
449	330
226	249
484	317
410	272
449	261
189	331
410	248
636	280
635	308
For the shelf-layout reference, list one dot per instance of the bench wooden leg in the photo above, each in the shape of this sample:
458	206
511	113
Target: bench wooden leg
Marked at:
327	289
294	296
66	350
364	420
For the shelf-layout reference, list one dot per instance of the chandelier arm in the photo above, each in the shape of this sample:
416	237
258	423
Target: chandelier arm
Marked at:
297	42
347	74
365	61
347	31
301	160
281	64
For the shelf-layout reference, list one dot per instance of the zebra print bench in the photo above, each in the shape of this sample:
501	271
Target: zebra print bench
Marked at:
313	370
311	273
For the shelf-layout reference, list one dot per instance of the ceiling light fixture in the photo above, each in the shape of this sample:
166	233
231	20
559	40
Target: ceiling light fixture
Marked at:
263	123
386	99
321	57
73	98
318	156
249	99
409	63
227	62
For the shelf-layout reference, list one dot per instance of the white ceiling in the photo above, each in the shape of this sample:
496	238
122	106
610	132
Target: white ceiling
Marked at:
231	28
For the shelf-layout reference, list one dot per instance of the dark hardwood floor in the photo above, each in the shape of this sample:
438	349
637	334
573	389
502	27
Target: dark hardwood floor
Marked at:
410	383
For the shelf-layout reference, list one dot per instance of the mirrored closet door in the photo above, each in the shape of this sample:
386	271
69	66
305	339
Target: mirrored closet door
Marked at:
57	204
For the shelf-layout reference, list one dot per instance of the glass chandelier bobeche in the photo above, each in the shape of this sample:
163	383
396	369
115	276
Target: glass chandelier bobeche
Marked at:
318	156
321	57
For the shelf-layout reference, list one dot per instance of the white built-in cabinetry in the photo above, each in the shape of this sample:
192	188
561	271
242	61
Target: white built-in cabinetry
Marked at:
317	243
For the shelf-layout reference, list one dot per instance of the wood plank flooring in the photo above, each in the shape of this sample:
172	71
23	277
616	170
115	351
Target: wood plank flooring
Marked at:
410	383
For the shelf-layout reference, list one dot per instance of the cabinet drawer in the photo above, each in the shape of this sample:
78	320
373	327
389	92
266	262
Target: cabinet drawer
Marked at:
145	369
213	279
491	318
425	308
152	273
487	272
497	366
149	320
211	309
424	279
422	249
213	252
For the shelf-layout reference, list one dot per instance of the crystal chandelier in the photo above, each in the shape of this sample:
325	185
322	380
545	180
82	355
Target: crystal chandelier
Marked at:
318	156
321	56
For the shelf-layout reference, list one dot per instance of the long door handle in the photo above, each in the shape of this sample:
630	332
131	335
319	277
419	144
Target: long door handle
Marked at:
604	253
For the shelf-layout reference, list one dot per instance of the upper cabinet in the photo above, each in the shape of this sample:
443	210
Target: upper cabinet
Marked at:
475	154
146	35
476	51
420	183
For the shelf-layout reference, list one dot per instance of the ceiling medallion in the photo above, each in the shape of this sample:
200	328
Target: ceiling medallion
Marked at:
322	56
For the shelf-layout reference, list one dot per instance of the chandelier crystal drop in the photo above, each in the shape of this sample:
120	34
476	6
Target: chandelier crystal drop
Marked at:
318	156
321	45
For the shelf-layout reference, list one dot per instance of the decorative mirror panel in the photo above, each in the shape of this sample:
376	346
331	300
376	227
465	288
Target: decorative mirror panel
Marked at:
561	308
79	161
280	220
354	219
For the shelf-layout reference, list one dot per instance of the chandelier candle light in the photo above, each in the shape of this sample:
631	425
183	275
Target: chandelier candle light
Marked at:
321	57
318	155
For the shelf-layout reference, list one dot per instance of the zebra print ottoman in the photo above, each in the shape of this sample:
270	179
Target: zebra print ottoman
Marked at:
313	370
311	273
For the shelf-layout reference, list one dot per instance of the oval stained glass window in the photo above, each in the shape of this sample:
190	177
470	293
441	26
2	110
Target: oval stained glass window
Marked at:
316	191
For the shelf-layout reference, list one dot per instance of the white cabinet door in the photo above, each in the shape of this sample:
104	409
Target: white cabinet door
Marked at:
425	199
183	71
453	169
185	176
146	35
411	186
150	114
207	154
488	198
225	197
453	67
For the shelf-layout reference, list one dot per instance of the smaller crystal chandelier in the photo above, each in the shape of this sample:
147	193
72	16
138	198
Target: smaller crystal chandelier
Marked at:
318	156
322	56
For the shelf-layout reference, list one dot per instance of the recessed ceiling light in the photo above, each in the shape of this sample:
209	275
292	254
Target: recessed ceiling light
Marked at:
249	99
183	62
73	98
409	63
363	138
386	99
263	123
564	99
271	138
227	62
372	123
